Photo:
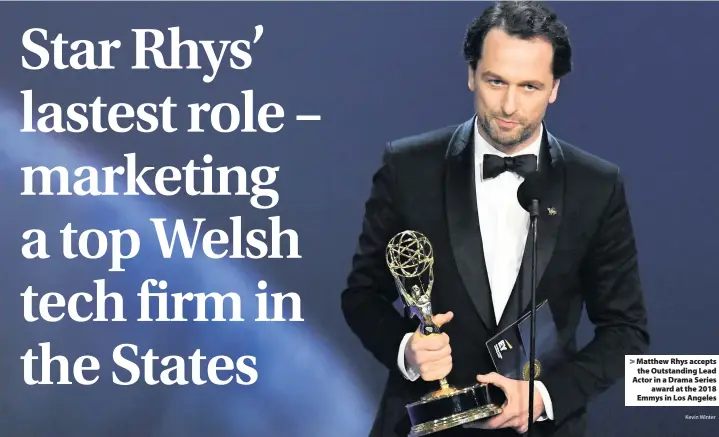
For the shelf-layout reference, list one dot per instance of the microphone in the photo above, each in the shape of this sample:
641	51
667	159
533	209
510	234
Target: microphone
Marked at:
529	195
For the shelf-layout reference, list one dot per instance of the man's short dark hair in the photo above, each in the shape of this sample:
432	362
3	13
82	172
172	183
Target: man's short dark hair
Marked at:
526	20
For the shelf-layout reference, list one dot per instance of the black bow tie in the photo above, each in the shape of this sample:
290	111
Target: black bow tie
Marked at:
495	165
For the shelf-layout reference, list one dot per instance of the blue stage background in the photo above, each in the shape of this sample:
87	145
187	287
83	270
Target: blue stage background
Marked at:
643	94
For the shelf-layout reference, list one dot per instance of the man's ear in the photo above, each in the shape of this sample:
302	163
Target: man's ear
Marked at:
555	90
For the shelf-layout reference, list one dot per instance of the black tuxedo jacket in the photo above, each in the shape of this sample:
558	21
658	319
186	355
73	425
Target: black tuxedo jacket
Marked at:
586	256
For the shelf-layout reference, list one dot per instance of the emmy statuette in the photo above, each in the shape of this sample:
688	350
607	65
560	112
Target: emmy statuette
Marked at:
410	259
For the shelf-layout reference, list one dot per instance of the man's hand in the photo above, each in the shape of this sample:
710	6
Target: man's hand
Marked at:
516	408
430	354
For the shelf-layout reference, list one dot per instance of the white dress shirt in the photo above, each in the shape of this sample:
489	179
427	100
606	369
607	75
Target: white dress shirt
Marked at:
504	225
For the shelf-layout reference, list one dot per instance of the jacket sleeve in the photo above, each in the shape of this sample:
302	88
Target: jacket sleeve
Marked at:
367	300
615	305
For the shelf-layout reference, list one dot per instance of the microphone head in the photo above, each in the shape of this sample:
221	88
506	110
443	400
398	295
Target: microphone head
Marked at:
533	188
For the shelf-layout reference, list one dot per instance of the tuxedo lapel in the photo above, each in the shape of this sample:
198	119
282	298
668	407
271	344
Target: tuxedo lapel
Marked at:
551	211
463	221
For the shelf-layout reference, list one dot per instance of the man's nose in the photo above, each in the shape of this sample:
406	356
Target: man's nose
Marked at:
509	102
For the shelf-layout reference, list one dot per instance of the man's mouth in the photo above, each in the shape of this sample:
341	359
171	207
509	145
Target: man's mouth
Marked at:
506	123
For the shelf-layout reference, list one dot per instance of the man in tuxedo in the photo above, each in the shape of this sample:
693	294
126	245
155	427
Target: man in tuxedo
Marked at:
458	186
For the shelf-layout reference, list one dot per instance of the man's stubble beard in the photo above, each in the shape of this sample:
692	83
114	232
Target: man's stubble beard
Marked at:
504	144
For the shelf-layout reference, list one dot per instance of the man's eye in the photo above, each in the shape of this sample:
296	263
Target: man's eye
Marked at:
495	82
